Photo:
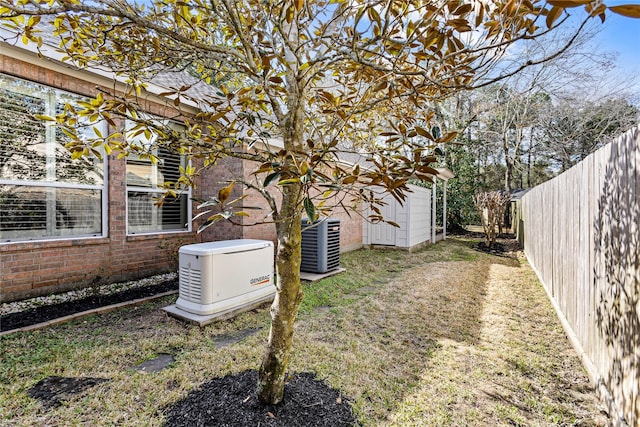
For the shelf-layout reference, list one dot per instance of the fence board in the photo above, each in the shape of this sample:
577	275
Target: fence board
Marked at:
582	236
632	271
635	272
582	275
593	209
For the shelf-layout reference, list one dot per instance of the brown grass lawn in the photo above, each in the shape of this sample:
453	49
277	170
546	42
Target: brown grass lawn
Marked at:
446	336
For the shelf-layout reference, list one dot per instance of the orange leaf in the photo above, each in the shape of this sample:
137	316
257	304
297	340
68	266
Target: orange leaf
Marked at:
289	15
568	3
553	15
224	193
424	132
628	10
448	137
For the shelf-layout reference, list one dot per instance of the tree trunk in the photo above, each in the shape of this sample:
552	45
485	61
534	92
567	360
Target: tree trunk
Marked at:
529	167
508	171
508	175
287	301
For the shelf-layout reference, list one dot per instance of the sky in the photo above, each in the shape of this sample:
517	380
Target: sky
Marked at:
622	34
619	35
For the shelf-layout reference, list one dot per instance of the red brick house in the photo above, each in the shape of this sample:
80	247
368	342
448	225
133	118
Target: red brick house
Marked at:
67	224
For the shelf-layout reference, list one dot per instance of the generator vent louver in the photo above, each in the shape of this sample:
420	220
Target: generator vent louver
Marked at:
190	283
320	246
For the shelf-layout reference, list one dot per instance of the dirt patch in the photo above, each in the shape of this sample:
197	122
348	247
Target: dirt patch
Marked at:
55	311
52	391
231	401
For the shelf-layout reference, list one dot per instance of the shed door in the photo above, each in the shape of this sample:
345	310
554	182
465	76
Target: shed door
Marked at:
382	233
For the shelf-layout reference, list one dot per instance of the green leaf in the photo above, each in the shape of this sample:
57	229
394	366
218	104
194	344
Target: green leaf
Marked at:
310	209
270	179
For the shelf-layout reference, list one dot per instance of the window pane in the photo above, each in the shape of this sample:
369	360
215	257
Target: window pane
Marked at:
140	173
29	149
75	171
169	166
22	136
143	215
146	217
44	212
80	171
143	173
23	212
78	212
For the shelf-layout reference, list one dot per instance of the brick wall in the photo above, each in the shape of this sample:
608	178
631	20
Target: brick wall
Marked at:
37	268
211	181
259	224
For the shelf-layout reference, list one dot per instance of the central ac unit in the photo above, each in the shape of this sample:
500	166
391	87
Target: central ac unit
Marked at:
217	277
320	246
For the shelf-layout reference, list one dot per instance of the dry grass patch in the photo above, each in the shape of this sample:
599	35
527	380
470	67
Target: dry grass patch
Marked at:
444	336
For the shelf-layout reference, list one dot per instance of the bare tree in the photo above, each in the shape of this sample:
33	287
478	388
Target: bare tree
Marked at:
491	206
573	129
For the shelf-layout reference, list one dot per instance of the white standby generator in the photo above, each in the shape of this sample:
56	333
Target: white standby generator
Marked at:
218	277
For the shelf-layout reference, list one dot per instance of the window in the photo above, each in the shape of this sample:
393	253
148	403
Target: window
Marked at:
44	194
145	181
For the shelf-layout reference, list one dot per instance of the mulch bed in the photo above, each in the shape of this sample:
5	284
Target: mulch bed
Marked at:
503	247
52	391
46	313
496	249
232	401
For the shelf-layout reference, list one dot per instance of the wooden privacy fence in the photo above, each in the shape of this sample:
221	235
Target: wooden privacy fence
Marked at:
581	235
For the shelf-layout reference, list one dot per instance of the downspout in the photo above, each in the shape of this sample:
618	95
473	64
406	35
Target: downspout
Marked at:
444	211
433	211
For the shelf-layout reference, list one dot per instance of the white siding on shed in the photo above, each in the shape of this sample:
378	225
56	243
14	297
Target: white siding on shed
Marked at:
420	216
413	217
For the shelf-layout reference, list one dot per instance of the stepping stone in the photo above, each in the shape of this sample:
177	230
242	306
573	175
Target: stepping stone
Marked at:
230	338
322	309
155	365
52	391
